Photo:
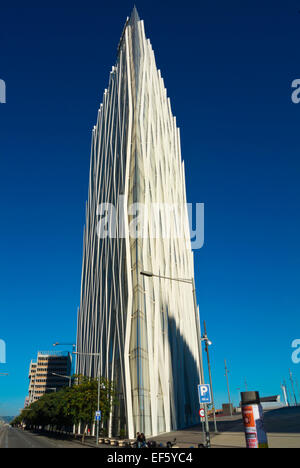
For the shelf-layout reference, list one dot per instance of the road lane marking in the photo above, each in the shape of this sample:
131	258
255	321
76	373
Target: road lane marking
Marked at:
24	438
1	436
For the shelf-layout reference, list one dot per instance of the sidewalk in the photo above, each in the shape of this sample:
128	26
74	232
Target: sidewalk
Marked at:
237	440
282	426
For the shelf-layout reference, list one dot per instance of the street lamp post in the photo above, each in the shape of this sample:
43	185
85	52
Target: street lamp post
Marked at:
192	282
207	344
98	406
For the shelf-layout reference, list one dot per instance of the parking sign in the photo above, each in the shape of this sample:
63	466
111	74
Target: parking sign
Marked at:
204	394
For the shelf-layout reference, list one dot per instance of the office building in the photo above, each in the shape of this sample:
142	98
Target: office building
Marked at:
48	374
144	330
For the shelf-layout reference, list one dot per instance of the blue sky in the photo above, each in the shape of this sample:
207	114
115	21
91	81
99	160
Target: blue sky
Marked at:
228	67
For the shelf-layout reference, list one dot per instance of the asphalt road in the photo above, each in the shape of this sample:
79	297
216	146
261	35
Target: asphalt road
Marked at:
16	438
285	420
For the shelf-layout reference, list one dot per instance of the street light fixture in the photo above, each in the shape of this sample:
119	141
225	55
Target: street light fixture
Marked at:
65	344
191	281
147	273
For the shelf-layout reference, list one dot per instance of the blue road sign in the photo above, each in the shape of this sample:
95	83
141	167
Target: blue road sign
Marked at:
98	416
204	394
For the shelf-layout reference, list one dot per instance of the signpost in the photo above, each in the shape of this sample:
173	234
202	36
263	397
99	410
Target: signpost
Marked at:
98	419
204	393
202	414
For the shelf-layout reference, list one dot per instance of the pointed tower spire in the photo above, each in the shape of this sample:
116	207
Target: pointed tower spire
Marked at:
134	18
134	21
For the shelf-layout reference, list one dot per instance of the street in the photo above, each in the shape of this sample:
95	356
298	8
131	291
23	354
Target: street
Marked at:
16	438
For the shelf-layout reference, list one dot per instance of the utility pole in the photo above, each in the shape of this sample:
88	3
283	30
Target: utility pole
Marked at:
292	383
297	384
288	393
226	375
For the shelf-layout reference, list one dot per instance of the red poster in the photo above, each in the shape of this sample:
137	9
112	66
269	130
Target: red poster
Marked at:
248	416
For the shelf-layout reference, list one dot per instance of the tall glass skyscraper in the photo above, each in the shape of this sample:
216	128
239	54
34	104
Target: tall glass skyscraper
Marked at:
145	329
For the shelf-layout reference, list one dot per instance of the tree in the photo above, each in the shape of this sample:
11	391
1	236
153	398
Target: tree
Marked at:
71	406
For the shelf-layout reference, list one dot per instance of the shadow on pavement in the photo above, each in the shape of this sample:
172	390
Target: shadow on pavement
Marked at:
282	421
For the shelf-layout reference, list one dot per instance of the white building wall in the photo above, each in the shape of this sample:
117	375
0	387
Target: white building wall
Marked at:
144	328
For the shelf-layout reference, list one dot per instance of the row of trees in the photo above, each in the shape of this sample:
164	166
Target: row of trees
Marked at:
70	406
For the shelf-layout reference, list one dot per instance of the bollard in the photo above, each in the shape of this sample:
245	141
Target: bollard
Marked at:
252	411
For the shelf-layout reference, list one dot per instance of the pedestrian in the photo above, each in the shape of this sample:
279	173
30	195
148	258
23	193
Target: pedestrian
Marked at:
138	440
143	440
